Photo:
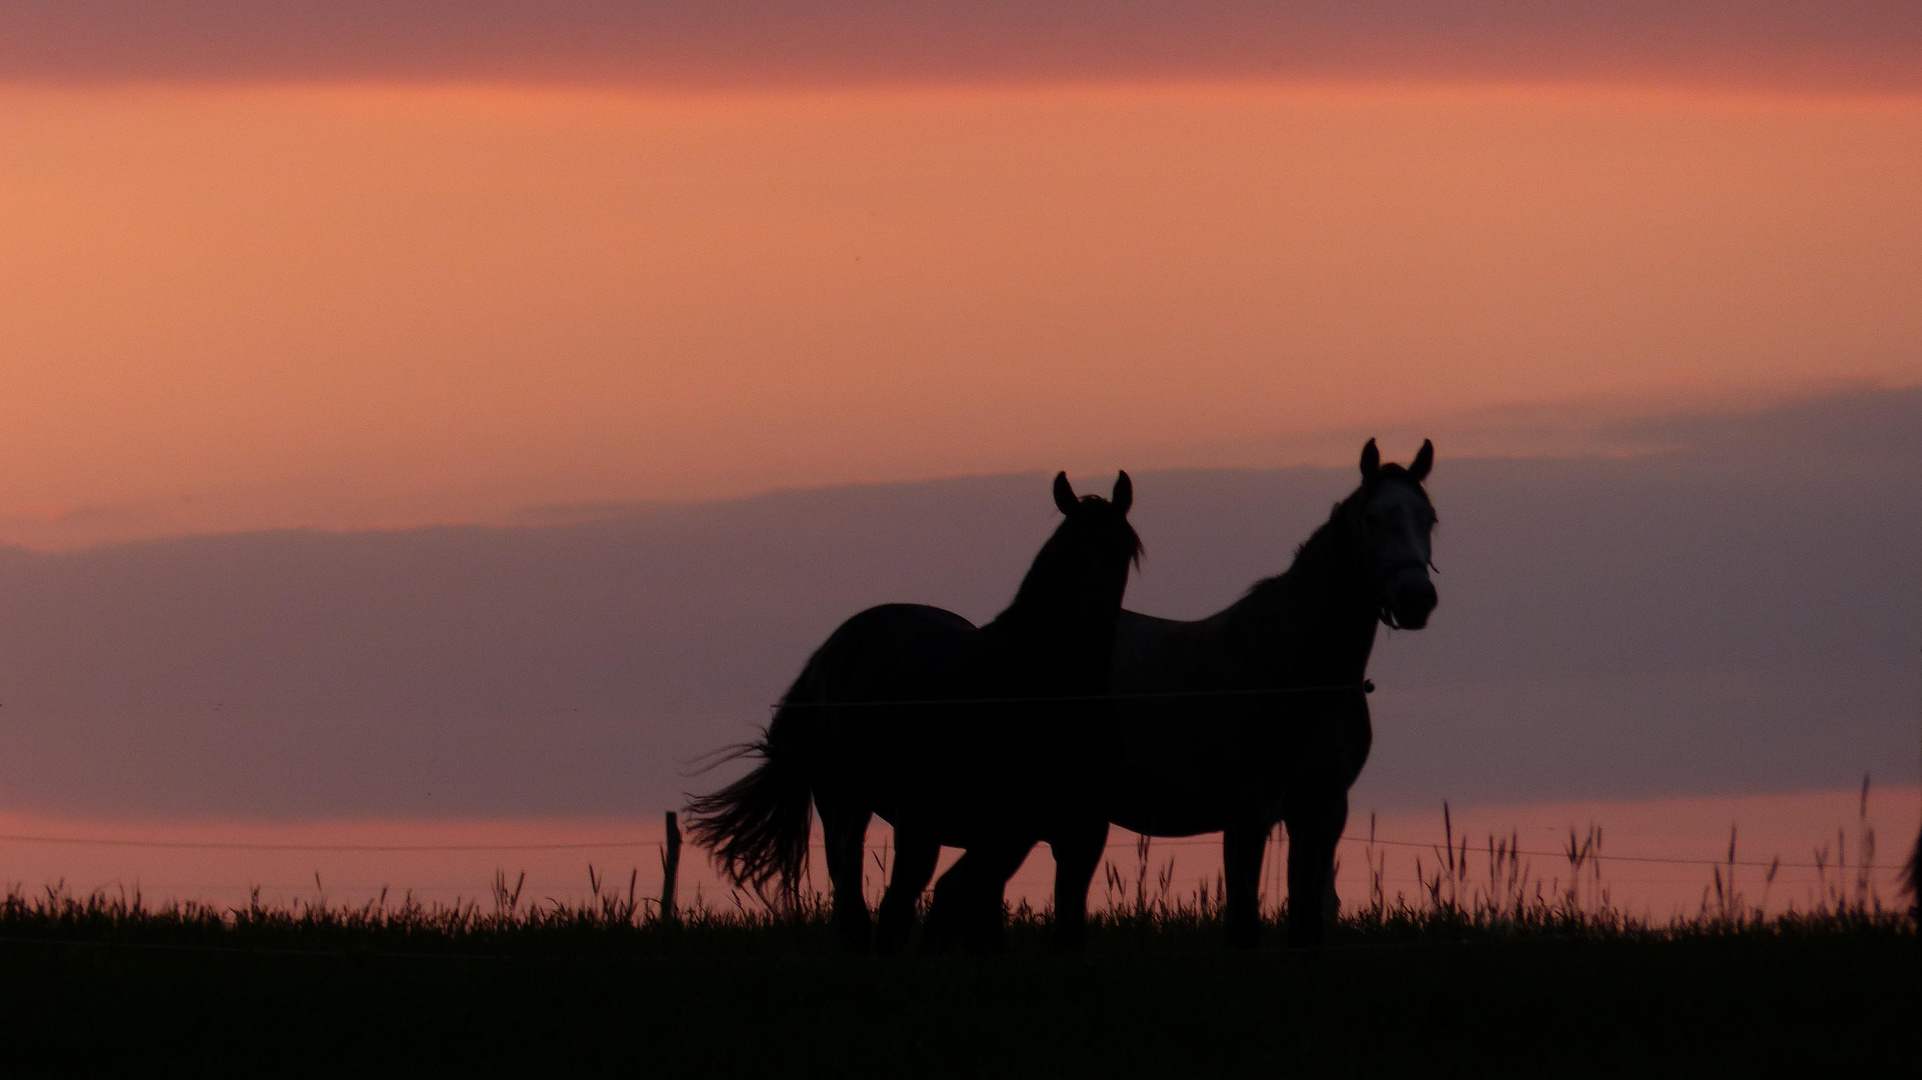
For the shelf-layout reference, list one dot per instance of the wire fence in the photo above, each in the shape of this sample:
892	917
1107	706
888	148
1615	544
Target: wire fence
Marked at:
1366	686
612	845
242	846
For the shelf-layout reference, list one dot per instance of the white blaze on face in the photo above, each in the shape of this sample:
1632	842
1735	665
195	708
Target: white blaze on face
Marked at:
1399	523
1400	520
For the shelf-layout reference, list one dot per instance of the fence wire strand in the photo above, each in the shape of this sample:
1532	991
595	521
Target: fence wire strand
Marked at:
1179	841
1366	686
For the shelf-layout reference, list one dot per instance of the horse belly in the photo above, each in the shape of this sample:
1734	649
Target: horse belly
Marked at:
1177	774
960	775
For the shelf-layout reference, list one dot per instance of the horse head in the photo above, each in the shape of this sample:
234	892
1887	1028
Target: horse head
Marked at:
1091	551
1394	521
1100	523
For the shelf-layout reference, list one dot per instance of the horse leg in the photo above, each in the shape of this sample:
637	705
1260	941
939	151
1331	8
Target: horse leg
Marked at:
947	911
914	859
1076	855
845	833
986	930
968	899
1241	850
1313	830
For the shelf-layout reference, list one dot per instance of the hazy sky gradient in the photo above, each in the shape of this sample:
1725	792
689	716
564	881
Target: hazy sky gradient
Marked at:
358	267
353	264
248	308
1804	45
1738	615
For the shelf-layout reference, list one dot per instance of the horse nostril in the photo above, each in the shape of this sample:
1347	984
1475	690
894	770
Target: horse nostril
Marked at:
1422	595
1413	602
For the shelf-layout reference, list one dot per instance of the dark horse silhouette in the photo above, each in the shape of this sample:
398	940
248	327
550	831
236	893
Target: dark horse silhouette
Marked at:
1258	714
1285	730
955	735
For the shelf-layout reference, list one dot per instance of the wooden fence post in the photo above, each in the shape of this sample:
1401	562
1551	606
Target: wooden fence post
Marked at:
670	866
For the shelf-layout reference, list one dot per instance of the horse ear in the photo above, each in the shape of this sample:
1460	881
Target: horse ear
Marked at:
1370	462
1064	494
1124	492
1424	461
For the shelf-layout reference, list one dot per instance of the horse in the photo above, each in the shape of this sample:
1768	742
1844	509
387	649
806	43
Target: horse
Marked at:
956	735
1258	714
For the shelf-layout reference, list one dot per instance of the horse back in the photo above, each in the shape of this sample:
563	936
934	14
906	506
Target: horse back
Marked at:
892	652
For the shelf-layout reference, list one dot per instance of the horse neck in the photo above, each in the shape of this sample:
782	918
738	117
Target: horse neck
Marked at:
1317	619
1056	596
1062	618
1062	629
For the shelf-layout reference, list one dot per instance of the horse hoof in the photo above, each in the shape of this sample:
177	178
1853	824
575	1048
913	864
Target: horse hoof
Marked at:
1247	940
1305	945
891	941
986	946
854	940
937	937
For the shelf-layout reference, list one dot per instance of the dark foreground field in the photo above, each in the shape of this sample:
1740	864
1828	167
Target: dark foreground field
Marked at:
282	992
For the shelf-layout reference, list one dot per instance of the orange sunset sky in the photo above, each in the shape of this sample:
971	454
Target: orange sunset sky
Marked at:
351	264
269	266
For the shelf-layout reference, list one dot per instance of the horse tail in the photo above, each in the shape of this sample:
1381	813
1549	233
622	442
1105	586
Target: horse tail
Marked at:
757	827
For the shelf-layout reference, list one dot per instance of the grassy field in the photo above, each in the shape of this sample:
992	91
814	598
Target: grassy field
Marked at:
1538	985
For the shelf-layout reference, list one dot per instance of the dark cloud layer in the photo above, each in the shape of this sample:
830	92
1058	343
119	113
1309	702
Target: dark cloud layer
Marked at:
1801	44
1740	615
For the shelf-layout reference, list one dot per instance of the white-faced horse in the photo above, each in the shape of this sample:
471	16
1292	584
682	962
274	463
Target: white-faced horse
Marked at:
1266	714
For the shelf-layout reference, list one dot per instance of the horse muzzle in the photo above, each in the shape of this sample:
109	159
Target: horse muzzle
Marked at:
1410	600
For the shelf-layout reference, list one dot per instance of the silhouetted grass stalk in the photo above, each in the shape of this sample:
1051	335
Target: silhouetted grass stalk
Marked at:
1503	896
